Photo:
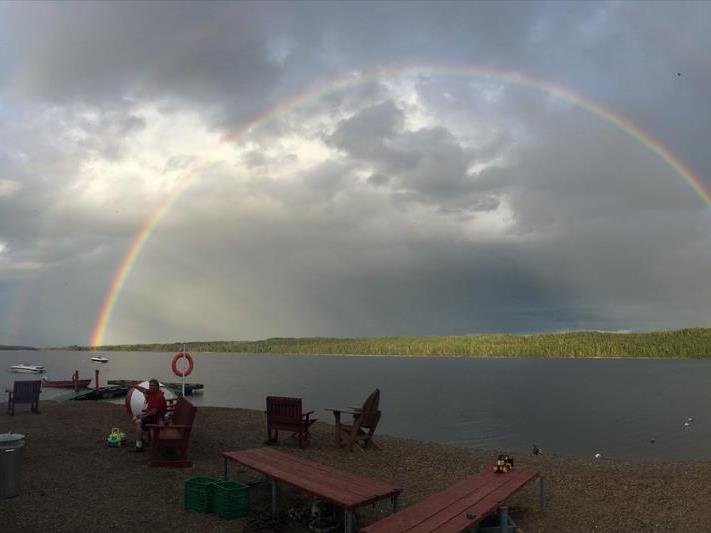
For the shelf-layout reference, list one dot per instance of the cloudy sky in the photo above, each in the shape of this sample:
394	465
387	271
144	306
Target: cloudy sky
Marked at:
351	169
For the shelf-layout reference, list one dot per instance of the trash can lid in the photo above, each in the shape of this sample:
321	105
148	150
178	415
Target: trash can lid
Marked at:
7	438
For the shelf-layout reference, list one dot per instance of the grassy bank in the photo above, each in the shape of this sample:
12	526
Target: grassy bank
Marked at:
683	343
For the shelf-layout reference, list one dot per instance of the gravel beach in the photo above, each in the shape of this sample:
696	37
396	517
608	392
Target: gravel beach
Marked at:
71	481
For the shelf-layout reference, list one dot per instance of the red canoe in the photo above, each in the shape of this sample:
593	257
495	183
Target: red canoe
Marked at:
68	383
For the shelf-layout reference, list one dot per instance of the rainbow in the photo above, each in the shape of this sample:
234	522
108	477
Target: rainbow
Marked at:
316	91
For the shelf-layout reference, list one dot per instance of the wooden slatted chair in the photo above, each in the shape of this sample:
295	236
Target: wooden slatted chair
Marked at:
173	436
24	392
286	414
360	430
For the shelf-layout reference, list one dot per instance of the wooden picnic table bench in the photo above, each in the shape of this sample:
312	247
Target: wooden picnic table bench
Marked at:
460	507
343	489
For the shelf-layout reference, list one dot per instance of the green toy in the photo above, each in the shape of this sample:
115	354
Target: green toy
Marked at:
116	438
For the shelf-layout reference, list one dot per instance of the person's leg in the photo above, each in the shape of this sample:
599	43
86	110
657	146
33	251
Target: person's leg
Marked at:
139	433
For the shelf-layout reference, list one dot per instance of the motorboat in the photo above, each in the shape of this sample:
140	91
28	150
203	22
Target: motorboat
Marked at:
99	359
27	369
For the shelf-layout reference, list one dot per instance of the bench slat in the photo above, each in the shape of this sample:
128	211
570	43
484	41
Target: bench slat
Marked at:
413	515
320	471
446	511
342	488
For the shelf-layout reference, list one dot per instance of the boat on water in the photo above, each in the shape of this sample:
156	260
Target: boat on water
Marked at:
99	359
26	369
75	382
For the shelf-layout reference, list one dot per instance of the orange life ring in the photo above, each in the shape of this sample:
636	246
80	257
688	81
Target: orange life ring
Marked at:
177	357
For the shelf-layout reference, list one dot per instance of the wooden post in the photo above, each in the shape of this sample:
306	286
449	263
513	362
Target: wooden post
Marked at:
97	384
542	493
274	496
182	378
75	378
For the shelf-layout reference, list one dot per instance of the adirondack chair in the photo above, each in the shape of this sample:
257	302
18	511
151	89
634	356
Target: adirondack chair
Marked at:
285	413
24	392
361	429
173	436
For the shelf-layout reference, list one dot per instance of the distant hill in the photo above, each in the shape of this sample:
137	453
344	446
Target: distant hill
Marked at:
693	343
4	347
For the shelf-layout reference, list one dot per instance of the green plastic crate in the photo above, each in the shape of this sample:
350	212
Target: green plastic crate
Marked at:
198	493
230	499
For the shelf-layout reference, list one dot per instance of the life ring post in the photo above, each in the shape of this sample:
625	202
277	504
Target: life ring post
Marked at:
182	373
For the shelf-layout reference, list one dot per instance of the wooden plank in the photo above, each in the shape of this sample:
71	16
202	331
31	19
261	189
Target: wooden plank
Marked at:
353	480
481	502
413	515
446	511
342	488
328	485
346	485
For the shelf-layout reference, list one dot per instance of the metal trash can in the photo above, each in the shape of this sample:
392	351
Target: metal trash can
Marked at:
11	445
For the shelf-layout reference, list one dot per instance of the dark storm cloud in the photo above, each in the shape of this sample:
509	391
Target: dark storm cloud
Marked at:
427	165
499	208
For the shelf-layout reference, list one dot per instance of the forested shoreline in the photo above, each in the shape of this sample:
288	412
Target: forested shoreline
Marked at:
692	343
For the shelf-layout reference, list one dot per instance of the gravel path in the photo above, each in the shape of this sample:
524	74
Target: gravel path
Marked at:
72	482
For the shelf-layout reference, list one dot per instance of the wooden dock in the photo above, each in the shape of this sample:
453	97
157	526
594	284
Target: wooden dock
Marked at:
190	388
118	388
92	394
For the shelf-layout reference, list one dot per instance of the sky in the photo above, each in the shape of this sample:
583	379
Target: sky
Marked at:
236	171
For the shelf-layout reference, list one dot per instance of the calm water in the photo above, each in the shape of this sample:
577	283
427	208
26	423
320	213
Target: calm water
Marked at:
572	407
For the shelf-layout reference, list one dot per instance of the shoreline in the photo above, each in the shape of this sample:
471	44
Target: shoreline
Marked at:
69	476
413	356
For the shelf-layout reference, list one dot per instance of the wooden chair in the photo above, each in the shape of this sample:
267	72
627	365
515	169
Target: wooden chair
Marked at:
24	392
285	413
173	436
361	429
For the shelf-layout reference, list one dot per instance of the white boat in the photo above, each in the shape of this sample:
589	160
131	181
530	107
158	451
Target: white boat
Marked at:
27	369
99	359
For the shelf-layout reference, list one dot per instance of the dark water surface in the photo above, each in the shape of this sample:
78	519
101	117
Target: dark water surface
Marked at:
571	407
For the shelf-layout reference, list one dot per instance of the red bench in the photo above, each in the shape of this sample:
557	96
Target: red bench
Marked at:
342	489
461	506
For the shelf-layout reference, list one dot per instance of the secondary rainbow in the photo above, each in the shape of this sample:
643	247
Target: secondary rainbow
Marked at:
141	237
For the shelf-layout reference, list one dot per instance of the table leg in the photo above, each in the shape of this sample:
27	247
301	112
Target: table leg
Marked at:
504	519
274	496
396	502
337	414
542	493
348	521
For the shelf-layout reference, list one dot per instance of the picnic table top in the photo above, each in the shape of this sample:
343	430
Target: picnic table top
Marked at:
344	489
448	511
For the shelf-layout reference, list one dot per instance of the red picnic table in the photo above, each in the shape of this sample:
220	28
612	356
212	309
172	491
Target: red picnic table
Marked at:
347	491
462	506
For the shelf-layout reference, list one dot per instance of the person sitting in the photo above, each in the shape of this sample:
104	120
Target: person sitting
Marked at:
154	412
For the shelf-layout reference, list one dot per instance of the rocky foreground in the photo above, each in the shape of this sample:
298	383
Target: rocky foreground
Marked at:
71	481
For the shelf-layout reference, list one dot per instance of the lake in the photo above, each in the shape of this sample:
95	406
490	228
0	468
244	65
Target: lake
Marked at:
565	406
